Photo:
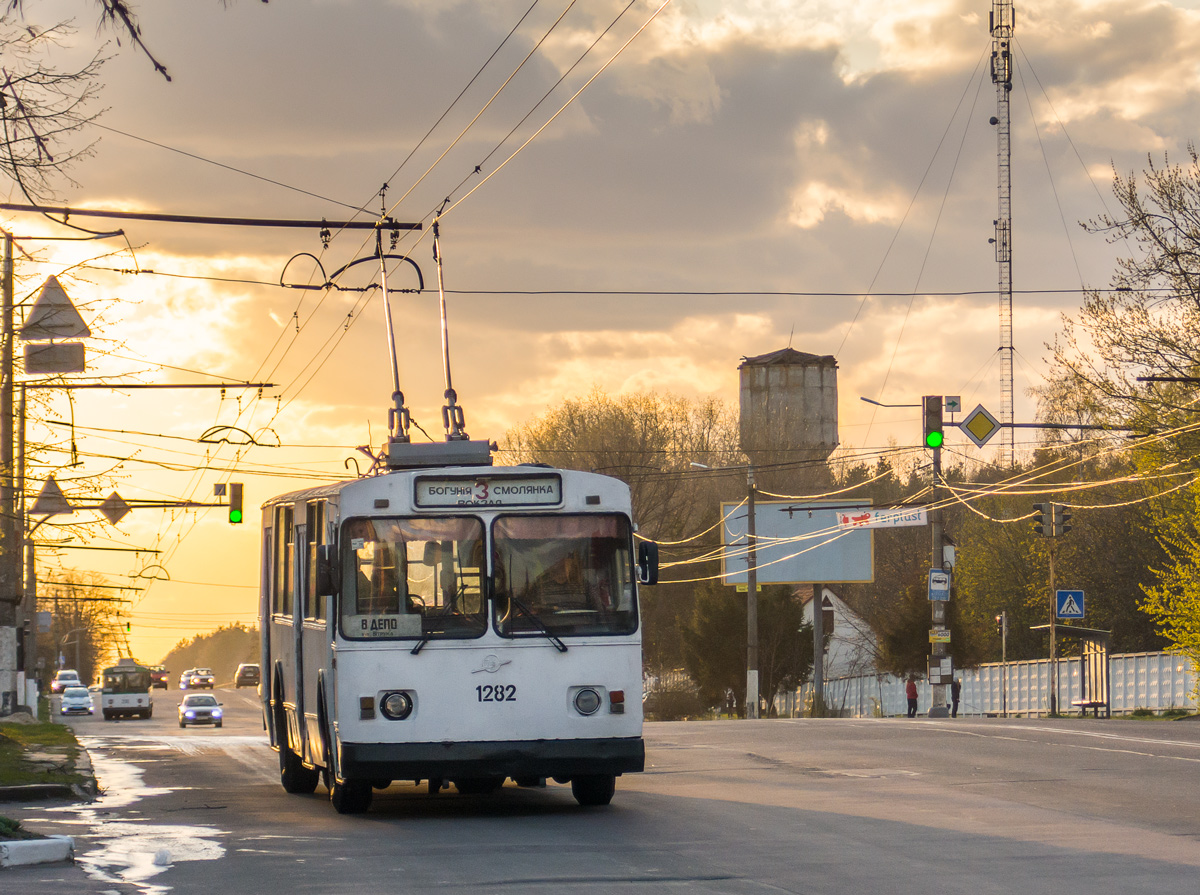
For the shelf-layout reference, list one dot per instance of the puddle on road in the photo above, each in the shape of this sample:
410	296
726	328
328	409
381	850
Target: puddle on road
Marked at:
125	849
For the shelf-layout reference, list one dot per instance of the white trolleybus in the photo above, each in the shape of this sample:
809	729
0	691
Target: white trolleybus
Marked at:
453	622
125	691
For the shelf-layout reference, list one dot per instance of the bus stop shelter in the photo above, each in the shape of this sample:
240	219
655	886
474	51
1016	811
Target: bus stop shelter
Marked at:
1093	667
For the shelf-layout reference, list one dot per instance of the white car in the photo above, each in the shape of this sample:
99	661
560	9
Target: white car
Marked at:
64	679
76	701
200	708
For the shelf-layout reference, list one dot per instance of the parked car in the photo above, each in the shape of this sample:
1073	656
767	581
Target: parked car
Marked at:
247	675
76	701
65	678
158	677
200	708
186	678
202	679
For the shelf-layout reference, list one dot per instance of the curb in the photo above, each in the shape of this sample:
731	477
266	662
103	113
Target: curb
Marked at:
50	850
85	791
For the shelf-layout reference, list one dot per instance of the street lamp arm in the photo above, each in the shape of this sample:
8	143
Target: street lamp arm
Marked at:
881	404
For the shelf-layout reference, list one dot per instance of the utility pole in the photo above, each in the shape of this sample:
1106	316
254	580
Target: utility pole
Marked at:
751	602
1052	524
10	551
1002	626
1002	24
818	676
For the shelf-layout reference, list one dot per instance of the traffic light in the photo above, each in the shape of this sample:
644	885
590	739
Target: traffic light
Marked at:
1052	520
235	503
127	627
1045	520
1002	624
1059	520
934	436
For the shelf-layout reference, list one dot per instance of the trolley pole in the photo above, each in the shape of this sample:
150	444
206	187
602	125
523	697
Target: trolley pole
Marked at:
751	602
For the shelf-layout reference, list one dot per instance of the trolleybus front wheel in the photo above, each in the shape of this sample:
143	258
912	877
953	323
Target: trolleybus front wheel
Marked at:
594	789
350	796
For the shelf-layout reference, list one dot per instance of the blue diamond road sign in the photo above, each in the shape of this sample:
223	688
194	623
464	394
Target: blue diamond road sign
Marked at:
1068	604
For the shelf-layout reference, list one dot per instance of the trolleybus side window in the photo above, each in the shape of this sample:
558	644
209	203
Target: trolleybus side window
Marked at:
283	587
413	578
314	604
563	575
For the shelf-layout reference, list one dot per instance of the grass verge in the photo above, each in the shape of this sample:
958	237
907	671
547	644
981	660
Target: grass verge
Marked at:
42	752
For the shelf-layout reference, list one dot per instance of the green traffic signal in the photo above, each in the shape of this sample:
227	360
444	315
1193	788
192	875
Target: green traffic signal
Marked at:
235	502
932	421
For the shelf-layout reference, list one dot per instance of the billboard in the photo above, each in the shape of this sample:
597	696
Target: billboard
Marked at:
798	542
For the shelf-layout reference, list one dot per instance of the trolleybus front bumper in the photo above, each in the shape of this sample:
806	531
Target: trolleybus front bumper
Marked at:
505	758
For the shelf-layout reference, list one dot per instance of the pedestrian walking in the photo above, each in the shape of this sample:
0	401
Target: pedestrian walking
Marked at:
910	690
955	692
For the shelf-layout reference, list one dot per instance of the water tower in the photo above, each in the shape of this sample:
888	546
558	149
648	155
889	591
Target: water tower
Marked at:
789	415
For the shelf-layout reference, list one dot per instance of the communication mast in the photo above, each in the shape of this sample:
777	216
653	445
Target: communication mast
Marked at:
1001	24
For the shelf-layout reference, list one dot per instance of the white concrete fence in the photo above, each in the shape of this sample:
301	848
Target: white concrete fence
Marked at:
1155	681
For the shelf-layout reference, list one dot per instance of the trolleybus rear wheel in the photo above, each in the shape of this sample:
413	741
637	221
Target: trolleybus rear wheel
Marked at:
594	789
350	796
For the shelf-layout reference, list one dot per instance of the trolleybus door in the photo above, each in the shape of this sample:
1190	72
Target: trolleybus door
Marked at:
299	573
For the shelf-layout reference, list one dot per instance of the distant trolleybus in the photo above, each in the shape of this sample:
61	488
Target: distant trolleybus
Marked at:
125	691
459	624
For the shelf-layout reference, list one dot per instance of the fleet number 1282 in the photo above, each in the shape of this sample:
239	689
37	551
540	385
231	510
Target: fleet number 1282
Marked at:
496	693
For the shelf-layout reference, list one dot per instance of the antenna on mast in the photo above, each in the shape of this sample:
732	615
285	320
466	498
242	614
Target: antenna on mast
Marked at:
1002	24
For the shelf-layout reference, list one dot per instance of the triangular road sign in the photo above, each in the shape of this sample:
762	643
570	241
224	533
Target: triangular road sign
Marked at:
53	316
50	501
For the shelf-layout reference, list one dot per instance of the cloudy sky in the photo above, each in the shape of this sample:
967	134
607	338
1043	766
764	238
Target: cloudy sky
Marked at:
739	177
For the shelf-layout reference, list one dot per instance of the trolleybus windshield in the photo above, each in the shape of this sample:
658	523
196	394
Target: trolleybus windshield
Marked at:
563	575
419	578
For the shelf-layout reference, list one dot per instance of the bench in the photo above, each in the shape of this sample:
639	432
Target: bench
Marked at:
1095	705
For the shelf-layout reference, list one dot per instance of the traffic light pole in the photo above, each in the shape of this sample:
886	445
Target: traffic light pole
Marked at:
937	705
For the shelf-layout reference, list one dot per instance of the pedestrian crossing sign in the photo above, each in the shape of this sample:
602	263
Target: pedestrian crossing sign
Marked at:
1069	604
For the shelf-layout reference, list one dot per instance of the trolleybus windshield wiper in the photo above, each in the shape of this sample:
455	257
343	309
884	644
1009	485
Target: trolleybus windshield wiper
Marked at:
446	610
537	623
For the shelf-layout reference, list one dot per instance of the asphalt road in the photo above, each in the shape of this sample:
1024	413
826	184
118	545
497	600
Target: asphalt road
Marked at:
834	806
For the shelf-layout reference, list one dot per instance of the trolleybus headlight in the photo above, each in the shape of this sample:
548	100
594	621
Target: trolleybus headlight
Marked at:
587	701
396	706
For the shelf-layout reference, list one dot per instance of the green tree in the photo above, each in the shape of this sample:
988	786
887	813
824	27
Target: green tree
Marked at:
715	644
221	650
649	441
1174	603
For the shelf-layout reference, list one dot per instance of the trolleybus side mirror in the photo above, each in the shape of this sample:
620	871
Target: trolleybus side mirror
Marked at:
326	570
647	562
